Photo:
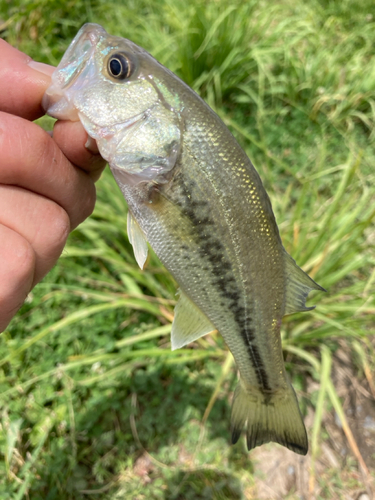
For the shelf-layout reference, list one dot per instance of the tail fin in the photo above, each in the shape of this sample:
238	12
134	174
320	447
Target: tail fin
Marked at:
269	418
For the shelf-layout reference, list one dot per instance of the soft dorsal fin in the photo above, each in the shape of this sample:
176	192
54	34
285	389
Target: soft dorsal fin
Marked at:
138	240
298	286
189	323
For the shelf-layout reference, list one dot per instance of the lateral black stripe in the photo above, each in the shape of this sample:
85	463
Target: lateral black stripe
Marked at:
211	248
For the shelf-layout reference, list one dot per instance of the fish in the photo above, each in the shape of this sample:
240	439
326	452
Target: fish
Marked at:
194	196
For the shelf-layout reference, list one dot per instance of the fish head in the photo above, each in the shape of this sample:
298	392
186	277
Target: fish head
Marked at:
124	99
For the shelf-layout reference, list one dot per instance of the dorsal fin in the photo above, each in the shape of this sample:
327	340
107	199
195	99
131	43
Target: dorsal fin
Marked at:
189	323
299	285
138	240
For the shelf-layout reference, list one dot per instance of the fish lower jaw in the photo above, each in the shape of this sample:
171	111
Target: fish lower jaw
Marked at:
55	104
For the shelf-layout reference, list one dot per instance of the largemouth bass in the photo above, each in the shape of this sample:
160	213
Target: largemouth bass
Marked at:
194	195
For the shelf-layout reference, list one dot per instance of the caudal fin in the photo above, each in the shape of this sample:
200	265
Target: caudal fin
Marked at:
268	418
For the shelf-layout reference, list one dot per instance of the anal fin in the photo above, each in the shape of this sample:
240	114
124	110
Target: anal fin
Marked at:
189	323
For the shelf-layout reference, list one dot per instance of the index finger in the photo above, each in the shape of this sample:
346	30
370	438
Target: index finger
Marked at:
21	85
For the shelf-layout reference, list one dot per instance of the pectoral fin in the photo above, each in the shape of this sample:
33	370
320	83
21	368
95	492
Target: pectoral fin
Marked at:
299	285
189	323
138	240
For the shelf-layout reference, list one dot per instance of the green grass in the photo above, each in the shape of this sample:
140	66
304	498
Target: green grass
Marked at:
92	401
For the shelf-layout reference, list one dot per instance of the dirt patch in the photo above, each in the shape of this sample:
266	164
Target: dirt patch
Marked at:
359	406
282	474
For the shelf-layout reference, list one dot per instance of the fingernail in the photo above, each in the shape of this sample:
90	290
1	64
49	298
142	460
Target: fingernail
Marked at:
41	67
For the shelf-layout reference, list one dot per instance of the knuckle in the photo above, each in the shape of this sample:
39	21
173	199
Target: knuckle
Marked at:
59	227
85	206
24	260
43	147
90	201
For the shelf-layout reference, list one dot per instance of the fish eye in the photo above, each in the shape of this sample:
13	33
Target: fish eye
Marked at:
119	66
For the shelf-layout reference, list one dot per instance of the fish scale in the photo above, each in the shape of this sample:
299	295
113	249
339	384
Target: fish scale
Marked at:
196	198
232	198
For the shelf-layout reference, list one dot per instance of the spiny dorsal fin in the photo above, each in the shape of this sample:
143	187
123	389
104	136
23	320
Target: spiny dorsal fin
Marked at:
138	240
189	323
299	285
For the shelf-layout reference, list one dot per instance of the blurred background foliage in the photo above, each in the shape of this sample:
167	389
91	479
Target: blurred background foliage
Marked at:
92	401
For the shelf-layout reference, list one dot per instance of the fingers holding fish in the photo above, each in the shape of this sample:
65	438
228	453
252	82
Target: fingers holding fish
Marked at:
76	145
22	82
31	159
42	197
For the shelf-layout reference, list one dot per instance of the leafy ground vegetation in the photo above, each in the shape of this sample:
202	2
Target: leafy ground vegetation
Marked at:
93	403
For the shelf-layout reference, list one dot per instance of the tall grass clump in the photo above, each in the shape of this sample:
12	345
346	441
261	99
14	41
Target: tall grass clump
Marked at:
92	400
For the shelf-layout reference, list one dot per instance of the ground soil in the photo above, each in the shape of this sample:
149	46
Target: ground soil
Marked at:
282	474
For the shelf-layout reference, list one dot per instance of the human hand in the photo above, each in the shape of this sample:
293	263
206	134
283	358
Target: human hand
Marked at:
46	184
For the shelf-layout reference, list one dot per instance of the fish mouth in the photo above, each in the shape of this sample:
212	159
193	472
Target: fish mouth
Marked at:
76	62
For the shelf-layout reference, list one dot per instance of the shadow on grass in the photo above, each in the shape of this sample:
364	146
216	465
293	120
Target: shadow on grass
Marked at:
99	446
168	399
